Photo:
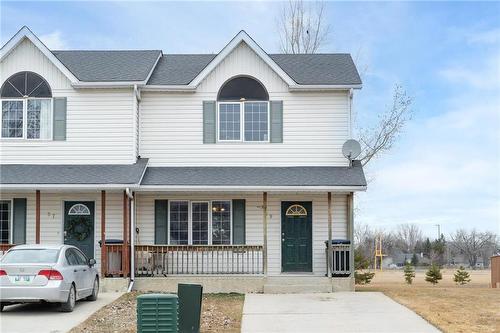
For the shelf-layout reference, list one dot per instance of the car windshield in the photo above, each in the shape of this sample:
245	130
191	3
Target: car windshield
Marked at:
30	256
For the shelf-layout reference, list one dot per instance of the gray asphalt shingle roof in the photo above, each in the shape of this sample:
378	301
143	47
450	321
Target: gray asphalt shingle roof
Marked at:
181	69
96	66
72	174
333	68
256	176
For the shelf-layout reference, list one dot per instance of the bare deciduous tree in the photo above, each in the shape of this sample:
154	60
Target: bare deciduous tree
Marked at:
381	138
408	235
472	243
301	27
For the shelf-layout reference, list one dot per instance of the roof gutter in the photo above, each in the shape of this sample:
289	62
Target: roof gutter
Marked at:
11	187
216	188
323	87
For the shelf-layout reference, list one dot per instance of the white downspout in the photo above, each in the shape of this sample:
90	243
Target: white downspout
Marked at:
132	232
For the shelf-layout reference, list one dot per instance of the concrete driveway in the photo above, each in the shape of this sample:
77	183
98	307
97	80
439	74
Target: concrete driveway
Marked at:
45	318
334	312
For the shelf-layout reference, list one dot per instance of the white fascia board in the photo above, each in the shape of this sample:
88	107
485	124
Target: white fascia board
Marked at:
323	87
208	188
25	32
242	36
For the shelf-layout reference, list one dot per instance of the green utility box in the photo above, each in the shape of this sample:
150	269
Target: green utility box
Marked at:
157	313
190	296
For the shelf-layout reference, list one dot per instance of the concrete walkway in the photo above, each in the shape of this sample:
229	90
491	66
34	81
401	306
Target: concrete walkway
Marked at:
45	318
334	312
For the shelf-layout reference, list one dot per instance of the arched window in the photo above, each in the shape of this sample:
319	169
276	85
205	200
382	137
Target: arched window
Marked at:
243	107
79	209
296	210
25	84
26	107
243	88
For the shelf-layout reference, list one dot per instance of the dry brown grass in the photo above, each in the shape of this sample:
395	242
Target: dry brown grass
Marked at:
471	308
220	313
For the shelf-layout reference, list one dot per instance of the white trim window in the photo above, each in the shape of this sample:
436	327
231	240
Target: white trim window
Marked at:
200	222
246	121
5	221
26	107
29	118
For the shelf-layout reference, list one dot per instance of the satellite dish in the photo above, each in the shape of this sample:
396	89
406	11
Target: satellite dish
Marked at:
351	149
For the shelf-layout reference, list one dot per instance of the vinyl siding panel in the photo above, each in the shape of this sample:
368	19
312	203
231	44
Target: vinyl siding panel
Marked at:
100	123
254	227
315	124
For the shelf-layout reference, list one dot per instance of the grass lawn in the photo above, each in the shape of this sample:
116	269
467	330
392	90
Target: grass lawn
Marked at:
220	313
471	308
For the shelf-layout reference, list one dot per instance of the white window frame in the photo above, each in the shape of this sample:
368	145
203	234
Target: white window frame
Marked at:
190	220
25	118
11	219
209	230
242	121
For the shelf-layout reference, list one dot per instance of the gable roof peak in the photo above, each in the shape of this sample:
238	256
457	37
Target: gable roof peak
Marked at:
26	33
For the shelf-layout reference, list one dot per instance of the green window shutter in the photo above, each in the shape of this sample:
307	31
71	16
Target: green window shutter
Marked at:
19	221
161	220
239	221
60	105
209	122
276	121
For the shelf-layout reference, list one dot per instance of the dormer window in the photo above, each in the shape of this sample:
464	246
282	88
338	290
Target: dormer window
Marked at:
26	107
243	111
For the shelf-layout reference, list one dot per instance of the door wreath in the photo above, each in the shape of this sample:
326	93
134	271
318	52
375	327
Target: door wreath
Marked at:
79	227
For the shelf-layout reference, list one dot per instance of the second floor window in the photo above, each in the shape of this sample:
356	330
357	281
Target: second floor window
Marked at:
26	107
244	121
243	111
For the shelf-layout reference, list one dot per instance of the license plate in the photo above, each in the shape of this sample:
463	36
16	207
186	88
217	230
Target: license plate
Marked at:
23	279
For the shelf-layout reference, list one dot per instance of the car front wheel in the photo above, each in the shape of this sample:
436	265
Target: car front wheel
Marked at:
69	305
95	291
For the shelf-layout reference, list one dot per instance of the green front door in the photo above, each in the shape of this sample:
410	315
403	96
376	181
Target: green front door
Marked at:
79	225
296	236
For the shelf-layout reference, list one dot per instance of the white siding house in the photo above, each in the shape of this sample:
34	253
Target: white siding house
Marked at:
199	166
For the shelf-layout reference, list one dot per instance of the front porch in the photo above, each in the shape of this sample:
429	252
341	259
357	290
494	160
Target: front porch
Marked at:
255	261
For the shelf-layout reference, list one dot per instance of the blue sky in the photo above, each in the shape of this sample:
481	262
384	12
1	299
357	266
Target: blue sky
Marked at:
444	170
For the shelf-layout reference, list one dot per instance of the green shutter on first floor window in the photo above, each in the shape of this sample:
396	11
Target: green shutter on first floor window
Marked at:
209	122
161	221
19	221
238	221
276	109
60	106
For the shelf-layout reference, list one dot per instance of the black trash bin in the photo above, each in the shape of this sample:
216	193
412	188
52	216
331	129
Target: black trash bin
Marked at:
340	258
190	296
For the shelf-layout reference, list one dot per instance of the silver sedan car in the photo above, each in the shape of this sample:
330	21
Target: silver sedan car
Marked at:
54	273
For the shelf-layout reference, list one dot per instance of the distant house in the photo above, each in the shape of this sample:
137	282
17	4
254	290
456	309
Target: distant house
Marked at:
182	166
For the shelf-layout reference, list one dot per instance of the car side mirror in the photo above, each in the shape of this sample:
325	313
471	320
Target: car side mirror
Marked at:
92	262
